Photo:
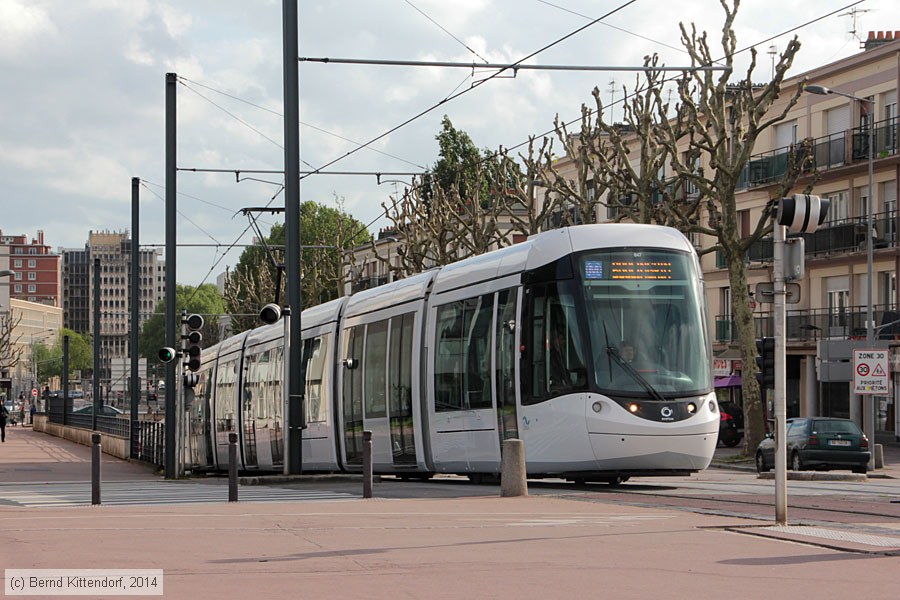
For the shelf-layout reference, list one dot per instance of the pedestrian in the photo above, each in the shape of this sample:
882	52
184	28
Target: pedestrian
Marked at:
22	414
33	412
4	415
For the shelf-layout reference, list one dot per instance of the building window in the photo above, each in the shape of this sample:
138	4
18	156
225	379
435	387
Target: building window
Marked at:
32	263
17	264
32	288
18	288
32	276
18	276
839	210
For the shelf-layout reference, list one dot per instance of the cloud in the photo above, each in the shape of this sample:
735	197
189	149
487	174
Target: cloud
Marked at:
21	27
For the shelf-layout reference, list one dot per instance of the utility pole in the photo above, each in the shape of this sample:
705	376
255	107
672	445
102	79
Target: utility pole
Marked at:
171	340
801	213
135	301
295	415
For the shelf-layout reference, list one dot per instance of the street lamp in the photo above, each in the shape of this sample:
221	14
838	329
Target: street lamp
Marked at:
824	91
870	319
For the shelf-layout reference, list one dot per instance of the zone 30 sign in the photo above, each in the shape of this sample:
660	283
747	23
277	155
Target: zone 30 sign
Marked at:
870	372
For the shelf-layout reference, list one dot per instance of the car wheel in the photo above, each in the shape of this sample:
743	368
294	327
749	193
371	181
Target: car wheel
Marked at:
761	463
862	469
796	463
731	442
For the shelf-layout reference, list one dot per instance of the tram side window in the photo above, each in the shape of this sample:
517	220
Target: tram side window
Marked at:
375	366
314	351
463	355
226	379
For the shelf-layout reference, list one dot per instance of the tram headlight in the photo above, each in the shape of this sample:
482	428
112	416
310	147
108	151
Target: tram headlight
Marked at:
712	406
691	407
634	407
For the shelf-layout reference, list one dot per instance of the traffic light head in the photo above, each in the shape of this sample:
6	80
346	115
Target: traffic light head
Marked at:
765	362
193	338
167	355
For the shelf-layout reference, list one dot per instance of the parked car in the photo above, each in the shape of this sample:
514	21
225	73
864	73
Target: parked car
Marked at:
105	411
731	424
820	443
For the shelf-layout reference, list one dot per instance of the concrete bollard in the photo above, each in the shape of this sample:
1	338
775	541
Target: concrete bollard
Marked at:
512	469
232	468
879	456
367	464
95	468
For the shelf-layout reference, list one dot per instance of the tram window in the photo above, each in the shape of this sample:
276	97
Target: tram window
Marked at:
226	379
463	355
375	365
556	348
314	351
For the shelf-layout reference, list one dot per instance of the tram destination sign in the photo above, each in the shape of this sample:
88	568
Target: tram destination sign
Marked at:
628	269
870	372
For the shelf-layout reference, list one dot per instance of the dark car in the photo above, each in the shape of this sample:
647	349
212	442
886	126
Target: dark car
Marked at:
105	410
820	443
731	424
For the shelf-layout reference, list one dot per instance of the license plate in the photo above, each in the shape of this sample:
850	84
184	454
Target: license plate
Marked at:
838	442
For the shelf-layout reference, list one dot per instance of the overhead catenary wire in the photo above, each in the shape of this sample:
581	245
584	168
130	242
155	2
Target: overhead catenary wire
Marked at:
469	89
184	81
442	28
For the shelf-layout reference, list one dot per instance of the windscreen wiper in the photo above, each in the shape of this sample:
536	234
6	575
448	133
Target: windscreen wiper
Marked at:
614	353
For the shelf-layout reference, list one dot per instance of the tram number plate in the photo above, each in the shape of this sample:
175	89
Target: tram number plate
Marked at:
838	442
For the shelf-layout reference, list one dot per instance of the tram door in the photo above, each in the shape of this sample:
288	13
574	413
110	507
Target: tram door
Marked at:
352	395
403	439
504	366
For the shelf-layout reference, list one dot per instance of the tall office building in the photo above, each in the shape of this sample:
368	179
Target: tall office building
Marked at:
114	251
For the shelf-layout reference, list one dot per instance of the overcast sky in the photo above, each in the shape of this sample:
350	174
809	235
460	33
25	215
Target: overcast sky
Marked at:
83	101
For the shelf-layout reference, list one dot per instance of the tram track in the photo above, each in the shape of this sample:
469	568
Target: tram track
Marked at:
837	508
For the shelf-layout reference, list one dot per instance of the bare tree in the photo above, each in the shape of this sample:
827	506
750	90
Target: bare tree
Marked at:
718	122
10	350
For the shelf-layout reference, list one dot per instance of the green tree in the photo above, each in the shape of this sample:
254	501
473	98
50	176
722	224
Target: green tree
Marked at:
204	300
48	360
326	234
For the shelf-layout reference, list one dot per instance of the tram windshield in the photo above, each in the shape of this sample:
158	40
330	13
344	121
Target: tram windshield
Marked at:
646	322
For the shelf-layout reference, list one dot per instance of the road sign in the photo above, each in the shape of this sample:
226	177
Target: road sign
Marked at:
870	372
34	392
765	292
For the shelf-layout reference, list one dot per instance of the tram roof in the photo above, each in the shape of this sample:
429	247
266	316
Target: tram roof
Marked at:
390	294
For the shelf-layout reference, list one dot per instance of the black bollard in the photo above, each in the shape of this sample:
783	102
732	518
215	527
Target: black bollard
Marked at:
367	464
95	468
232	468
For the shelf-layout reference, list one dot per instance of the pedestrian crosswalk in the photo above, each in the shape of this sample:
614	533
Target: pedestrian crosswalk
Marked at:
121	493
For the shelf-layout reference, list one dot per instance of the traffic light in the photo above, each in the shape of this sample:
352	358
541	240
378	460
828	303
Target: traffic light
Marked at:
167	355
193	338
765	362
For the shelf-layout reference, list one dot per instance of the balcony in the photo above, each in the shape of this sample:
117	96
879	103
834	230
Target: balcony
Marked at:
824	152
819	324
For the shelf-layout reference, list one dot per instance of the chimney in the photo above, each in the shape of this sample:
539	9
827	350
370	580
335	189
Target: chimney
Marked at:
40	238
879	38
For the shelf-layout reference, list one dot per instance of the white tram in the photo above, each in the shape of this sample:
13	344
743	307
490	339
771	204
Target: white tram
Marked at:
525	342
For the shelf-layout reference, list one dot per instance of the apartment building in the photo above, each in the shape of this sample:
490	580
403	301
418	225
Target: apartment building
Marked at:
37	268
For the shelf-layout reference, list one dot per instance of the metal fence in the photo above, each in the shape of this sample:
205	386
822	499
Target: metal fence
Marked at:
147	437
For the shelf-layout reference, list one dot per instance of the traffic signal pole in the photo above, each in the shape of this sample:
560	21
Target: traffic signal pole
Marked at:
780	409
171	339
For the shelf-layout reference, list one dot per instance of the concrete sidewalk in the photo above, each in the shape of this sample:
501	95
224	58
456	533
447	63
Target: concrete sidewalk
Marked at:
475	547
